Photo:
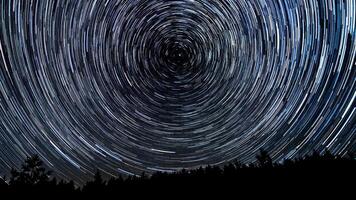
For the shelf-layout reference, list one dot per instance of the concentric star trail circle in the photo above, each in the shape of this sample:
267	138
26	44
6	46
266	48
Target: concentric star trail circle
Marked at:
132	86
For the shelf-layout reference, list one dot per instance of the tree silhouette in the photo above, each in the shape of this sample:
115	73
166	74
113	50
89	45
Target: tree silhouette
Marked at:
96	185
264	160
310	170
32	173
3	184
98	179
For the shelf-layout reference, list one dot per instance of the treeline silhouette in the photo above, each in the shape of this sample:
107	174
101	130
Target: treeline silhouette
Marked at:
311	170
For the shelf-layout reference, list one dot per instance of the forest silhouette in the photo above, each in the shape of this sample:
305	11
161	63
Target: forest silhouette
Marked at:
309	171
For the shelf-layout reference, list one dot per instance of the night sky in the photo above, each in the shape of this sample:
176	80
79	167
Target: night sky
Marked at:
158	85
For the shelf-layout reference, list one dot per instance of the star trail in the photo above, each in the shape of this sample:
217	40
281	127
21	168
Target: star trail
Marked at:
157	85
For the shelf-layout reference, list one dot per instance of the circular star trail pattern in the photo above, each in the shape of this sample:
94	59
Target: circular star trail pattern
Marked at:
133	86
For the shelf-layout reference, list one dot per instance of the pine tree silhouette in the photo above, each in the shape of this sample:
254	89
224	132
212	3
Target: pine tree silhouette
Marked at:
32	173
310	170
3	184
96	185
264	160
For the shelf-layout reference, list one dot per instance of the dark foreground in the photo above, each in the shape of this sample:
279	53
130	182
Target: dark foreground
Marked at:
325	171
